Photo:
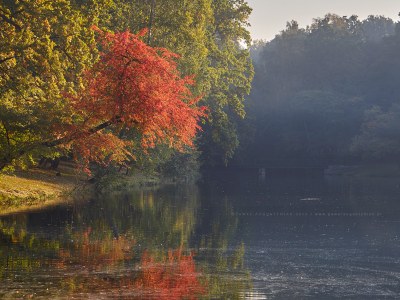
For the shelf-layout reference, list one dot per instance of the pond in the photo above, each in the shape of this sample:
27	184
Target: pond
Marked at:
232	236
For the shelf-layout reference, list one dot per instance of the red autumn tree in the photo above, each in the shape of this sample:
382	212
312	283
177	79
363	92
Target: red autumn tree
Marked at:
135	86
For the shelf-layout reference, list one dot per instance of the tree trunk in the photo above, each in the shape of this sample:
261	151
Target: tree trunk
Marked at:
152	11
61	141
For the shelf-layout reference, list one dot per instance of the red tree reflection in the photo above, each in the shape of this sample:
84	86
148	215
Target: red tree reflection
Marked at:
175	277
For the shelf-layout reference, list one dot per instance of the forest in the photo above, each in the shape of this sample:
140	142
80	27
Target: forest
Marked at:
325	94
168	86
146	85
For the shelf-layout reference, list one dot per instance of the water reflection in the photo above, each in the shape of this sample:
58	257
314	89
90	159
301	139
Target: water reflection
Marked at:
147	244
346	245
230	238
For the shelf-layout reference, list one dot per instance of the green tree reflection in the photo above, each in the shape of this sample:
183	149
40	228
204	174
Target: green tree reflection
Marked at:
149	243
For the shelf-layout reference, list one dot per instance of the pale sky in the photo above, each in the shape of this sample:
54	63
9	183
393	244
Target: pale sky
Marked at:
270	16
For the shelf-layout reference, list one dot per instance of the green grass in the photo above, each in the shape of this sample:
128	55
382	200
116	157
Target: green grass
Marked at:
35	189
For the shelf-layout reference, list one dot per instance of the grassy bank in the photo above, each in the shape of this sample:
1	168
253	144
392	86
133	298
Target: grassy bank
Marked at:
37	188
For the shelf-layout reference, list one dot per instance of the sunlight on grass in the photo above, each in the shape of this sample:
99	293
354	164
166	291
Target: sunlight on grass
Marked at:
34	189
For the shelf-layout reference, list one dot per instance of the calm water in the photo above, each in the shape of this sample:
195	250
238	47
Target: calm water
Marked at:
230	237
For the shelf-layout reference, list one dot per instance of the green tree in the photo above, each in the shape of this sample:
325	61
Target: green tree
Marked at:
312	86
375	28
209	35
379	136
44	49
230	76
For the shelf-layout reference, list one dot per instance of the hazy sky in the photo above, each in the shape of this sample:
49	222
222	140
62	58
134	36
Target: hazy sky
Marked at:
270	16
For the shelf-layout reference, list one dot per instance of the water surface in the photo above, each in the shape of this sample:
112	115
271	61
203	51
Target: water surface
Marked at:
229	237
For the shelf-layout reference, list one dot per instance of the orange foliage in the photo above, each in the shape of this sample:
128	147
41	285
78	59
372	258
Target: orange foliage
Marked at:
135	86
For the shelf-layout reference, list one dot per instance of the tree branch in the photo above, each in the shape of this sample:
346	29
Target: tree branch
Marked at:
91	131
6	59
11	22
152	12
64	140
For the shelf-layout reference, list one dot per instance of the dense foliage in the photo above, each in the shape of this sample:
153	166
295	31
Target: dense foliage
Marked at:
61	83
45	48
325	94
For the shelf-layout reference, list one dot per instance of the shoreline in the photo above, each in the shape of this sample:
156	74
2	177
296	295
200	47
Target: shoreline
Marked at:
36	189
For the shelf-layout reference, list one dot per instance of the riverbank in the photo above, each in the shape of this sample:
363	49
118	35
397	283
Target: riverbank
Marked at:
37	188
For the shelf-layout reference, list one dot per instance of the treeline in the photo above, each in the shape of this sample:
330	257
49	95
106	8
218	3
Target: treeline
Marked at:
64	68
325	94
